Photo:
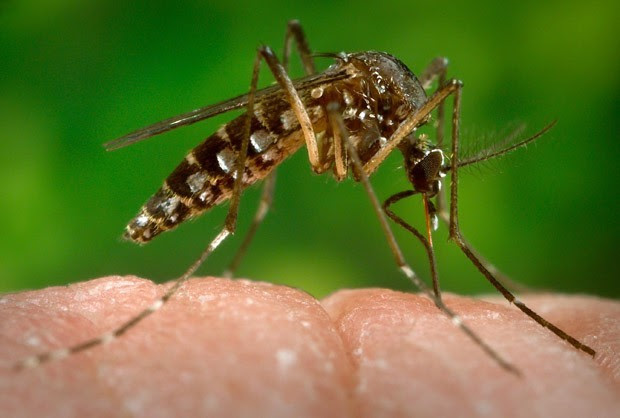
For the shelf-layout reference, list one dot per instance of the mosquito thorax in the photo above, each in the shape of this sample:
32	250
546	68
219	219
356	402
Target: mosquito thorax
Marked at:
387	91
390	77
379	94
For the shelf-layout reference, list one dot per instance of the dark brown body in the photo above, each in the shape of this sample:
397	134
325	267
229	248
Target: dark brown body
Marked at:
377	93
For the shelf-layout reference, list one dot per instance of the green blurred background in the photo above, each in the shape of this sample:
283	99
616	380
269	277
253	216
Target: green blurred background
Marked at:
75	74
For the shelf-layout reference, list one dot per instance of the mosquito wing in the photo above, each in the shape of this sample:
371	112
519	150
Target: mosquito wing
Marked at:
202	113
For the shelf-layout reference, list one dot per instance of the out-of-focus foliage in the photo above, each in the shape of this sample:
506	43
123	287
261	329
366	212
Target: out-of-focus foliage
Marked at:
75	74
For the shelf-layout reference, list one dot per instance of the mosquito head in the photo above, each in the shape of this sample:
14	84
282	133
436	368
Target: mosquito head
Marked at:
423	164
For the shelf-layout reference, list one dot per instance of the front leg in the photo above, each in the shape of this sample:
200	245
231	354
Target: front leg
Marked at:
455	235
340	130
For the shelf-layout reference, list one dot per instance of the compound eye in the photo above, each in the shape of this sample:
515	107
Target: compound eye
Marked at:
426	173
432	164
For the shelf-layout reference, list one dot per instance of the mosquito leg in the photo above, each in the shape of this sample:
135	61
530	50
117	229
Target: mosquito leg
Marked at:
411	122
445	217
295	31
501	148
341	166
110	336
455	235
228	229
503	278
282	77
230	223
296	104
266	200
427	245
338	126
438	68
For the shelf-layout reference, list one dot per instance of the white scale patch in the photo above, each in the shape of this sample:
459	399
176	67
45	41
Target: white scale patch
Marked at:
348	99
205	196
379	81
107	338
169	205
349	113
191	160
142	220
226	159
316	112
270	155
288	119
156	305
261	140
196	181
435	220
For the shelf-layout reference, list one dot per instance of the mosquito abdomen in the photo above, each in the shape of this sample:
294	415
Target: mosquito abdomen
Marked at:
206	177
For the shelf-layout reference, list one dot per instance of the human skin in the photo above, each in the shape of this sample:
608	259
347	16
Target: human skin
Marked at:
240	348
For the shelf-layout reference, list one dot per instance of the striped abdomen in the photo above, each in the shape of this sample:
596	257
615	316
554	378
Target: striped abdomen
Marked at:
206	176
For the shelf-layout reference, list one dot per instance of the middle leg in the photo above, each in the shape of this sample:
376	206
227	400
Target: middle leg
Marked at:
266	200
294	32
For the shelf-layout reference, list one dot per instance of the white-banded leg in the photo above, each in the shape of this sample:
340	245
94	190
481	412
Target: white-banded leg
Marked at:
282	78
437	69
228	229
510	283
294	32
455	235
110	336
426	242
266	200
339	129
230	223
498	149
301	114
502	147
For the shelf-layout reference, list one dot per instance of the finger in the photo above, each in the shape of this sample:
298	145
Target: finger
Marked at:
592	320
411	360
201	356
218	348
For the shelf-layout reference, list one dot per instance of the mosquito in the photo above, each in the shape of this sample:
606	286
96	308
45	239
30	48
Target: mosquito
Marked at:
349	117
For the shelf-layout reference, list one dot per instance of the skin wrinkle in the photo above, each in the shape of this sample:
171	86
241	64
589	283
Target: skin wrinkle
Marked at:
536	384
208	339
